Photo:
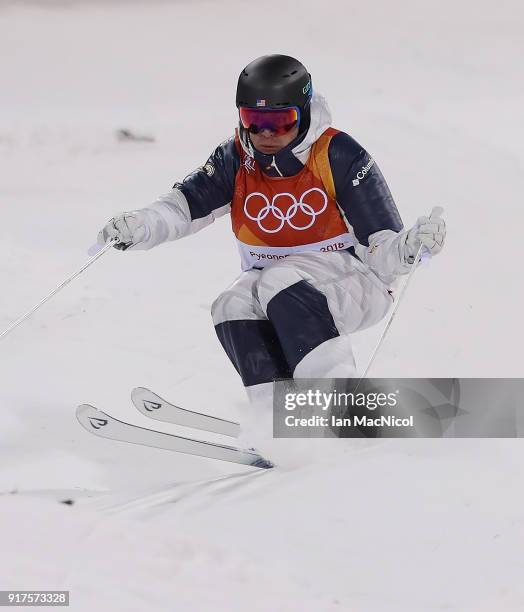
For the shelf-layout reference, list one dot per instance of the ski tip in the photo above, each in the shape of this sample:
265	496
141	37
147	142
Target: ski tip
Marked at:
94	420
86	414
83	409
138	393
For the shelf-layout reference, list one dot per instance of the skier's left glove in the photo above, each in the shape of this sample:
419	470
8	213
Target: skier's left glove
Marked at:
428	231
130	229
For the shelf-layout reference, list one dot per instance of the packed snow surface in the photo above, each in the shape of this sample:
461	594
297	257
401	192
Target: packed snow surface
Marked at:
434	91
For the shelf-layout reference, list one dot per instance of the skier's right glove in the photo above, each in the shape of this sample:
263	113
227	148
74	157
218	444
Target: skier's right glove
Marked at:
130	229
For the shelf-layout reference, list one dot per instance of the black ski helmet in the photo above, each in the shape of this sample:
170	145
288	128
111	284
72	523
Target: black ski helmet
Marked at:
275	81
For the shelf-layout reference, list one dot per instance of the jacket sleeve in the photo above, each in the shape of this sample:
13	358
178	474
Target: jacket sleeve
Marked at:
203	196
366	201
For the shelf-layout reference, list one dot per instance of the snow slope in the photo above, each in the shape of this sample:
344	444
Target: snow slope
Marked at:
433	90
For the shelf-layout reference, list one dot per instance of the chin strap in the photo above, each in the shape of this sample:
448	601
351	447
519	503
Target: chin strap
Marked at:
245	141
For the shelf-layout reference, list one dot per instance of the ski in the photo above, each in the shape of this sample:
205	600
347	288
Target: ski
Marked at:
106	426
153	406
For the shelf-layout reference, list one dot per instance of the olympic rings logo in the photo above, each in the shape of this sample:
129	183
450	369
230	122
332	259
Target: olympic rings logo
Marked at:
270	208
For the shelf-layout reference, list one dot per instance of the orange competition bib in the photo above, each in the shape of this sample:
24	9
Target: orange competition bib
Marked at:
274	217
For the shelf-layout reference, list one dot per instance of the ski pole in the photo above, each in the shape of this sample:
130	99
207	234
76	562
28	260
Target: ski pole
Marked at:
26	316
436	212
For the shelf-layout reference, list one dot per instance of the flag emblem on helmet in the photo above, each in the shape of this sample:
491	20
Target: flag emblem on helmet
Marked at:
261	102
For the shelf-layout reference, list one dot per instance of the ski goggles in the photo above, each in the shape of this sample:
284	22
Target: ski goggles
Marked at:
279	121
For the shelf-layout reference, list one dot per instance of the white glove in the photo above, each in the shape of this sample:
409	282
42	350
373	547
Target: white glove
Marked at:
129	228
428	231
391	254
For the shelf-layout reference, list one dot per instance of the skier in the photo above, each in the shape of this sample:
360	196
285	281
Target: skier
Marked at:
321	241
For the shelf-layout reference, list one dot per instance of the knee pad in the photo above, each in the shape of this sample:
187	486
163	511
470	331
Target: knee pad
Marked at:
231	306
275	279
331	359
